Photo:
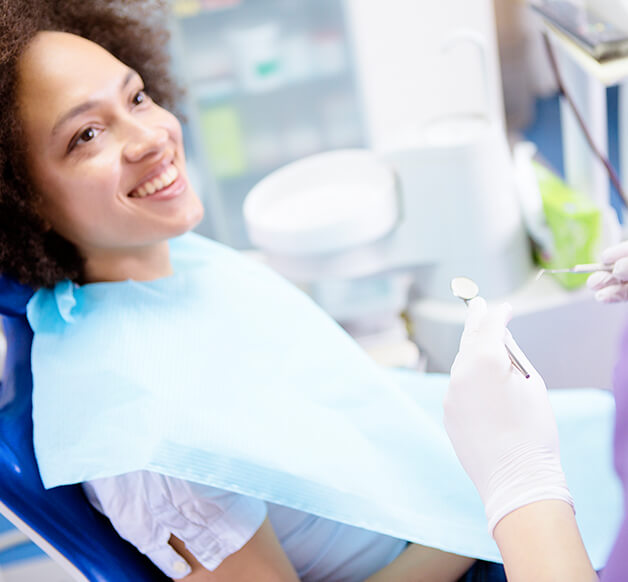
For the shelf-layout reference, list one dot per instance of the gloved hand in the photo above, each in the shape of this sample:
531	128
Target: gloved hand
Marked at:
612	287
501	424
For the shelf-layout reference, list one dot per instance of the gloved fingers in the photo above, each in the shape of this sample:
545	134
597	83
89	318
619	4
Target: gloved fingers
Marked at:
478	358
620	269
476	311
485	325
600	279
616	252
612	293
611	287
520	354
482	344
503	313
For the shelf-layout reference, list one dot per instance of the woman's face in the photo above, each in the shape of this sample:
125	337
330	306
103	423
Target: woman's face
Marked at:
107	161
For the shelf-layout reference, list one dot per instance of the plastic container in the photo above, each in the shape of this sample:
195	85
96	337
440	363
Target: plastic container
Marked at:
323	203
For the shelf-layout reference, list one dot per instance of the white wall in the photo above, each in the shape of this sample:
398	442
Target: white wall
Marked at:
404	75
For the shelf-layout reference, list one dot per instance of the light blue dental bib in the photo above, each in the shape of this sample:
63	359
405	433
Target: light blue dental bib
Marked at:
225	374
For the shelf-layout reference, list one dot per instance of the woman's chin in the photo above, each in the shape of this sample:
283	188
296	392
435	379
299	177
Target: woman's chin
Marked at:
190	220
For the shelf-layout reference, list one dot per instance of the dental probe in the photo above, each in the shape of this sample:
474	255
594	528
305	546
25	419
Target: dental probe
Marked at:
467	289
584	268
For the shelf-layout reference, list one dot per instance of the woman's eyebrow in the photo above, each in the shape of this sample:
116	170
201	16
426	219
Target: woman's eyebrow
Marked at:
87	105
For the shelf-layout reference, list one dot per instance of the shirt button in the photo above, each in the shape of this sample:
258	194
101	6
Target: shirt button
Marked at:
180	566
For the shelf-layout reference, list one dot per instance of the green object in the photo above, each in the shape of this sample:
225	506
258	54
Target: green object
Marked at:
575	223
224	144
267	68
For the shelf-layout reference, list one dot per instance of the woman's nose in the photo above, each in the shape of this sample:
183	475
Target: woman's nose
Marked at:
145	141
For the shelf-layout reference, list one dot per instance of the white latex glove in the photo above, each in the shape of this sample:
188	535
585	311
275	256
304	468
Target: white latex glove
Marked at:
612	287
501	424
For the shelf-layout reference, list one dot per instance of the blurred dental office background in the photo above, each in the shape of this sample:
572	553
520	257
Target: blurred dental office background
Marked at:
421	85
431	89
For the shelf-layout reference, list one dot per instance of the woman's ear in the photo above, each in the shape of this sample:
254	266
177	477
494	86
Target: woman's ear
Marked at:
44	223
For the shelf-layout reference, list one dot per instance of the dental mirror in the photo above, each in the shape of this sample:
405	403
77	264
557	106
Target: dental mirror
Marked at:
464	288
467	289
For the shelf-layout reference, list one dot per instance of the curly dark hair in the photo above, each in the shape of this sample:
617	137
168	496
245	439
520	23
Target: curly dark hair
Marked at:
135	32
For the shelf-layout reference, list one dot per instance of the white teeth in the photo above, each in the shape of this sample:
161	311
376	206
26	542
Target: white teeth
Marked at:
173	174
160	182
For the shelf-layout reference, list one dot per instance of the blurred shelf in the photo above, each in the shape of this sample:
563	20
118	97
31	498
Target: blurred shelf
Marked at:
609	73
268	82
208	92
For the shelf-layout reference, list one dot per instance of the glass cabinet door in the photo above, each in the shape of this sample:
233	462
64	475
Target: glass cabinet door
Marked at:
268	82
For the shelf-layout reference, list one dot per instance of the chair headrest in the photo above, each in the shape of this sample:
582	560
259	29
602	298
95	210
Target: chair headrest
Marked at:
13	297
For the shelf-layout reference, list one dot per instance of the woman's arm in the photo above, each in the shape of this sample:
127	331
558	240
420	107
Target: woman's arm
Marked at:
541	542
261	559
146	508
419	563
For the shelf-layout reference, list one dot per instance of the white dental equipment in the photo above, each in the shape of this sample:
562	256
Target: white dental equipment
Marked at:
439	198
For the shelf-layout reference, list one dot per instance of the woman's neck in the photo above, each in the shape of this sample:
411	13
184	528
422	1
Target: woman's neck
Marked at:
140	264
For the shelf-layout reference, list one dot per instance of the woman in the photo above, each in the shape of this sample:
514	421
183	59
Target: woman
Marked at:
92	187
514	460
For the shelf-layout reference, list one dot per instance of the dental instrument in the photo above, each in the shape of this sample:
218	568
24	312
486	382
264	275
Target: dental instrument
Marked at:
583	268
467	289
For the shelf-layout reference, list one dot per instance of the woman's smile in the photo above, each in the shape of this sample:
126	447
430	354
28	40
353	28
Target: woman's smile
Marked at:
156	186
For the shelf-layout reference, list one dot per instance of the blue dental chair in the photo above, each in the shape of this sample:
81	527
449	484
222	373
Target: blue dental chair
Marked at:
60	520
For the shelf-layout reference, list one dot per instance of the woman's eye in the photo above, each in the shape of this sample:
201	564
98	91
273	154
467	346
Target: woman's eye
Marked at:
87	134
139	97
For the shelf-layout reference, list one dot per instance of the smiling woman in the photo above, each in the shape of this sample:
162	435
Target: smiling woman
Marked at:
105	159
93	187
38	250
226	426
